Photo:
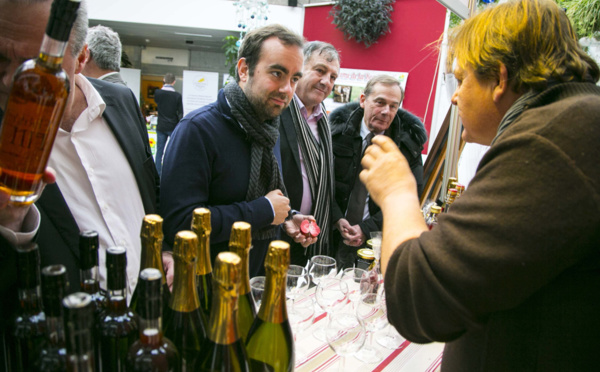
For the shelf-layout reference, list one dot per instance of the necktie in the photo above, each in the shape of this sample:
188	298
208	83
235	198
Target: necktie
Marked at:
358	197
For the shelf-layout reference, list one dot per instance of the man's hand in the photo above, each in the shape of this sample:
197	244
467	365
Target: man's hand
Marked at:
169	267
352	235
292	228
12	216
281	205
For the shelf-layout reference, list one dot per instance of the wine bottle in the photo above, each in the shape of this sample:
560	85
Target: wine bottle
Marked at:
201	226
88	270
27	331
240	242
225	351
270	344
184	324
118	326
152	238
35	108
53	355
79	324
152	351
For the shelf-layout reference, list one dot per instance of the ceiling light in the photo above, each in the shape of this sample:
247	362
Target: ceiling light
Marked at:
186	34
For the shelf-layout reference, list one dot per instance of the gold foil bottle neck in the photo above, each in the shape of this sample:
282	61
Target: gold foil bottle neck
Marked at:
201	221
152	226
202	227
185	247
278	256
226	275
241	237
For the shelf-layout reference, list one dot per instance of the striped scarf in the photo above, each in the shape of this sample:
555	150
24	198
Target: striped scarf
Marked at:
318	162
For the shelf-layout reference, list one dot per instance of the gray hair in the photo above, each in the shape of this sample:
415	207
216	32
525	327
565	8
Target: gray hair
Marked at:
384	80
169	78
105	47
321	48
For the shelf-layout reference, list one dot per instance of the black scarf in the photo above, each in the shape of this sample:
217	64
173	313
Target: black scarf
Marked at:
264	170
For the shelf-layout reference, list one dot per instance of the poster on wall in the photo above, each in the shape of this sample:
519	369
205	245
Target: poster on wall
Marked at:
351	82
199	89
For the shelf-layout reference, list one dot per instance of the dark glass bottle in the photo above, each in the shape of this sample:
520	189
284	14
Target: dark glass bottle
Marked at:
28	327
79	324
201	226
184	324
35	108
118	327
240	242
88	270
225	350
152	239
270	344
152	351
55	285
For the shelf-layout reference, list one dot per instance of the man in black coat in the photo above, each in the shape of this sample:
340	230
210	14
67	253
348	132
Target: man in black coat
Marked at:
170	110
378	112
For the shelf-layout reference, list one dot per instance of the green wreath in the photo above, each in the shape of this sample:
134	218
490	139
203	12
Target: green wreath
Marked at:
363	20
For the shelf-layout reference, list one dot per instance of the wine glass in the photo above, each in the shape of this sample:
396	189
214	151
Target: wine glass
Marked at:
353	277
320	267
257	287
301	313
331	295
376	237
369	311
345	334
391	339
298	281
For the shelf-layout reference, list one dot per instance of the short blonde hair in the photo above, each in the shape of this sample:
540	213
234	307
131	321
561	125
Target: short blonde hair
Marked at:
534	39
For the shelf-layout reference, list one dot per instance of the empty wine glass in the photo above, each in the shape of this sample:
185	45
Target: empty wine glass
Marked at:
353	277
257	287
298	281
320	267
391	339
301	312
376	237
345	334
369	311
331	295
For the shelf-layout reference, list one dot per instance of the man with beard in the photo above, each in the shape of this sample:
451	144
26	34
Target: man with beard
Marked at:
307	159
223	157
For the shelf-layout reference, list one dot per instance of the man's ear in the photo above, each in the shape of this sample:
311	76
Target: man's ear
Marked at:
362	100
82	59
502	86
243	70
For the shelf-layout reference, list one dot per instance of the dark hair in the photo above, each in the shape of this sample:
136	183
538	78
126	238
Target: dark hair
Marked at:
252	43
321	48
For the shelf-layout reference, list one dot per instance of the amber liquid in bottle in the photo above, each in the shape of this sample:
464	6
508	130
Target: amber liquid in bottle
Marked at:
240	243
79	322
270	343
27	331
53	355
225	351
152	351
201	226
118	327
183	323
35	108
152	239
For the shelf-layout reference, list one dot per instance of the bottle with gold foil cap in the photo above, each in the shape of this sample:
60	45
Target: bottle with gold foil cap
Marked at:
201	226
152	239
240	243
183	323
225	349
270	344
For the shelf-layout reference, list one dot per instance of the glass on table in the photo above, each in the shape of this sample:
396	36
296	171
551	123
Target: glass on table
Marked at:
321	267
345	334
353	277
391	339
331	295
298	281
301	313
370	312
376	237
257	287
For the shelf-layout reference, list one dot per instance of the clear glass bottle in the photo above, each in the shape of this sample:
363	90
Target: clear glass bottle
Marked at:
79	324
27	331
118	327
35	107
184	324
152	352
240	242
152	239
270	344
225	350
201	226
55	285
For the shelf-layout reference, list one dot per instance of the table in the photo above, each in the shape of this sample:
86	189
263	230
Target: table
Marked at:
410	357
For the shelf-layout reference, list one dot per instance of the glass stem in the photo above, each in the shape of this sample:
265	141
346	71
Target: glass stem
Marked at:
342	364
370	339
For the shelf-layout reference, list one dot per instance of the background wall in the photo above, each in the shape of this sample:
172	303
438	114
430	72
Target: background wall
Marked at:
415	25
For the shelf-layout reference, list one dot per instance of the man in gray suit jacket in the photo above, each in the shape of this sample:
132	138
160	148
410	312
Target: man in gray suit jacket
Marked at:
103	55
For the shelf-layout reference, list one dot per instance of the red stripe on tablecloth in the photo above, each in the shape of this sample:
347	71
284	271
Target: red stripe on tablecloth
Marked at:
327	364
313	355
392	356
436	363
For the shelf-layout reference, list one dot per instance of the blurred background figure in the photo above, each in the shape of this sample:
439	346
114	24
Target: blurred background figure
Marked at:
170	110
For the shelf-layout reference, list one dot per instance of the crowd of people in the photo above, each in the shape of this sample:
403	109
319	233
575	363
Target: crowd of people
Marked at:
509	278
